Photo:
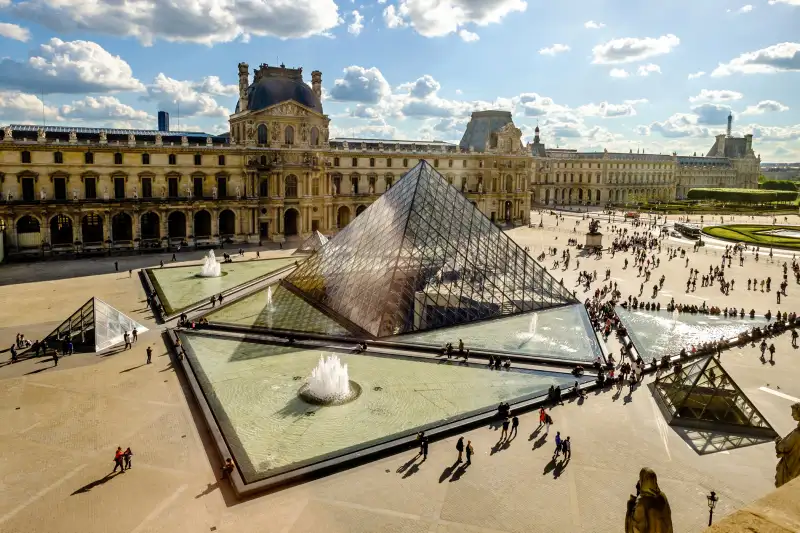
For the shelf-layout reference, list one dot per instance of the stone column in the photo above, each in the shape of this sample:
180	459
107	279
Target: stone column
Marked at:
107	233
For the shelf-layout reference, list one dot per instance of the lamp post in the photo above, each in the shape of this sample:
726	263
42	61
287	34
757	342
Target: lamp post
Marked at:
712	502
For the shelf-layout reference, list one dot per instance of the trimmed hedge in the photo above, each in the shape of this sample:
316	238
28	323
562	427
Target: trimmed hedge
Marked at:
742	196
778	185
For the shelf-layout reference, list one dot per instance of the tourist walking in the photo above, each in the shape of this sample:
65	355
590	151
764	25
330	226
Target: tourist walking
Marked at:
116	266
423	445
127	455
135	333
514	426
127	338
504	433
470	452
771	353
460	448
566	447
547	421
118	460
558	445
149	354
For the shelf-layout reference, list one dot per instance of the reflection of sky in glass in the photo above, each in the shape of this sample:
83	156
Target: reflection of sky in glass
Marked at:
253	392
563	333
182	288
656	333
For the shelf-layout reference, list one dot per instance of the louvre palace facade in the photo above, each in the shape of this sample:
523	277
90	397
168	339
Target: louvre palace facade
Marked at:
277	175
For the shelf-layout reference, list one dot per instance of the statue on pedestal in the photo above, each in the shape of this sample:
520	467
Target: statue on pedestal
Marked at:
8	134
74	194
103	137
135	193
41	136
42	194
184	141
238	193
105	194
159	140
788	451
131	139
73	137
648	511
214	192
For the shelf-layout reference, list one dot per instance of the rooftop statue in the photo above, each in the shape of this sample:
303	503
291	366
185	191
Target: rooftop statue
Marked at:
648	511
788	451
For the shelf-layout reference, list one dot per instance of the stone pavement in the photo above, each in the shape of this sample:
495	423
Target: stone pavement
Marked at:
62	425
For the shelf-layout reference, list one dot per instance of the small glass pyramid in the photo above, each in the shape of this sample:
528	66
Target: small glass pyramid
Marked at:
313	243
423	257
93	328
704	396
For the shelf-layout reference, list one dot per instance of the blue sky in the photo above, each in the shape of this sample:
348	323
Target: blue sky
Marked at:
616	74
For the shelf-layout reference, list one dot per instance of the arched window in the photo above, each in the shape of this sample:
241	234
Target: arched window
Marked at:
314	136
288	135
291	186
262	134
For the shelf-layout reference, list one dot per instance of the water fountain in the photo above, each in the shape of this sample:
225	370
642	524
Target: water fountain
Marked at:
675	315
270	305
329	384
526	337
211	268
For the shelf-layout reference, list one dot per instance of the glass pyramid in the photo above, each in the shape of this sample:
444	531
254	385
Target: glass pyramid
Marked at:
93	328
314	242
703	396
422	257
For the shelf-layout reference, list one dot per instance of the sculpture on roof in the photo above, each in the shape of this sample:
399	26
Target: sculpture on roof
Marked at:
42	194
184	140
8	133
73	137
159	139
132	139
103	137
209	142
788	451
648	511
41	136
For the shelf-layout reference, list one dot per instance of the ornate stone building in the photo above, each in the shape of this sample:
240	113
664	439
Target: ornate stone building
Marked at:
277	175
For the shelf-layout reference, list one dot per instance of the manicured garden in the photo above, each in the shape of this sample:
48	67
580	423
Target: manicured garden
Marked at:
755	234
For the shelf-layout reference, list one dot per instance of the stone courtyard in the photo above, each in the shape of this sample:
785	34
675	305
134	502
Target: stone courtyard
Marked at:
62	424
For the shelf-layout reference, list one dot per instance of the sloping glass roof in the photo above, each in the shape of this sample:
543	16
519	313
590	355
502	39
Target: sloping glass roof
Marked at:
94	327
422	257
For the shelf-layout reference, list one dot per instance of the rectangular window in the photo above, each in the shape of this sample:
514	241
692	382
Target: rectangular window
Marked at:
221	160
90	188
372	161
405	162
173	187
198	187
145	159
315	225
355	162
315	187
58	158
435	162
88	158
336	161
198	159
172	159
26	157
60	188
118	158
222	187
119	188
27	189
450	163
389	162
147	188
464	164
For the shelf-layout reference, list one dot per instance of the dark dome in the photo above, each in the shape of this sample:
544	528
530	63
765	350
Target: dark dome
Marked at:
271	90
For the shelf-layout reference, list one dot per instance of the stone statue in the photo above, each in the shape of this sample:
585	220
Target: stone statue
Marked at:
135	193
42	194
788	451
159	140
480	187
41	136
105	194
163	192
594	226
649	511
131	139
214	192
209	142
10	196
74	194
8	133
371	188
303	132
276	131
238	192
103	138
188	192
73	137
184	141
250	130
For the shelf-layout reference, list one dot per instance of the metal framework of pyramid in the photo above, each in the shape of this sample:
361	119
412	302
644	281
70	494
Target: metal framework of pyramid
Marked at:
313	243
704	396
93	328
423	257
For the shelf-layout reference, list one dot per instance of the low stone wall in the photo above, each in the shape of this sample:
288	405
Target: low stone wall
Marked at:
777	512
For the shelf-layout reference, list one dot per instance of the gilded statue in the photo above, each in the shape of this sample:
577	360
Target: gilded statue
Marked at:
788	451
649	511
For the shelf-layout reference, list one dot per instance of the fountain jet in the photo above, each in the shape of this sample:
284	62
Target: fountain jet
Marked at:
211	268
329	383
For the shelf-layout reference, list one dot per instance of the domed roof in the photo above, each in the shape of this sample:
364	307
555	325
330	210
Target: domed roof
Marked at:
273	85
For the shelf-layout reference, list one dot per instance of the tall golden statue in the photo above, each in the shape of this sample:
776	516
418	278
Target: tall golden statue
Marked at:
649	511
788	451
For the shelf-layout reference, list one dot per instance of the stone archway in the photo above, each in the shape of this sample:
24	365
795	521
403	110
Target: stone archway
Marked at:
291	222
92	228
61	230
360	209
121	227
29	233
227	223
202	224
150	226
343	216
176	225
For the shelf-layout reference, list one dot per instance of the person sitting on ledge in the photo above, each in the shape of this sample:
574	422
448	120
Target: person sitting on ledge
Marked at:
598	362
491	361
507	364
601	378
577	371
227	468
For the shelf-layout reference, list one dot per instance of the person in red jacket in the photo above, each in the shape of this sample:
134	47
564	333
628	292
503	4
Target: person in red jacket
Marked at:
118	457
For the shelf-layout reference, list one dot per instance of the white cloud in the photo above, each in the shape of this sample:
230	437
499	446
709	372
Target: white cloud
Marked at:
679	125
631	49
459	92
592	25
185	98
745	9
69	67
357	25
712	114
618	73
708	95
646	70
213	85
765	106
606	110
554	49
437	18
421	88
360	84
783	57
468	36
197	21
106	108
16	106
5	3
15	32
698	74
789	2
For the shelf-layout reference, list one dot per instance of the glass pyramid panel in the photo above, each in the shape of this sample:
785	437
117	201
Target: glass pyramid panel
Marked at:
313	243
561	333
110	325
704	395
287	312
93	328
423	257
275	432
181	287
658	333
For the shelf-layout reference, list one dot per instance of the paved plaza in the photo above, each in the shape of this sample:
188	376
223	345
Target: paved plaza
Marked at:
62	424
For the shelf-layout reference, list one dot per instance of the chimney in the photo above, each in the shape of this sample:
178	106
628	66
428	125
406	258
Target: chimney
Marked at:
244	82
720	145
316	83
748	143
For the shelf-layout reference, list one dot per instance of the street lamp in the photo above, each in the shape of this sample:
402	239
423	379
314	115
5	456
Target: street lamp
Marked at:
712	502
